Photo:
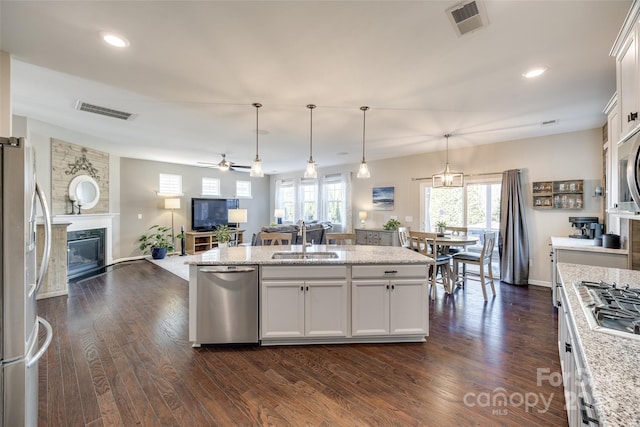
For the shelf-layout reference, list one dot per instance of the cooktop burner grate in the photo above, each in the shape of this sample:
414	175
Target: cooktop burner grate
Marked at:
611	308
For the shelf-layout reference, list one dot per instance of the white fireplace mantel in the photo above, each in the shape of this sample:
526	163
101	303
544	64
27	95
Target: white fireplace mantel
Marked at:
88	222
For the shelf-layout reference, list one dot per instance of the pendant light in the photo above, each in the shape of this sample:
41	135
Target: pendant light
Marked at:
256	168
363	172
310	172
446	178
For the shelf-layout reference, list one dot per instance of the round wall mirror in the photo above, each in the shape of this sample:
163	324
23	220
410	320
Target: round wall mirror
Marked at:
85	190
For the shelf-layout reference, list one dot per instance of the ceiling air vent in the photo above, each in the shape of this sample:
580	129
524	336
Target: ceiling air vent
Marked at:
104	111
468	16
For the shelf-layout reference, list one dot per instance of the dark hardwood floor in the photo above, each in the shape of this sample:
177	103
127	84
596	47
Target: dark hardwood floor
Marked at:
120	356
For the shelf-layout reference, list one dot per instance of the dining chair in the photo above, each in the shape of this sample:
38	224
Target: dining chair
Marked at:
275	239
341	238
480	259
403	236
456	231
425	244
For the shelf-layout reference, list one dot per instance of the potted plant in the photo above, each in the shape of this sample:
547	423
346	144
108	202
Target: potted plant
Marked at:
440	225
157	241
223	235
391	225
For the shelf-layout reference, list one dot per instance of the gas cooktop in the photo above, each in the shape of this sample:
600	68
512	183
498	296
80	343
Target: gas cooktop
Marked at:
611	308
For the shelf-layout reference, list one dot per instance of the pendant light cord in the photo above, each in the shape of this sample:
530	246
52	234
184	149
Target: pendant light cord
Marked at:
364	118
311	107
447	136
257	105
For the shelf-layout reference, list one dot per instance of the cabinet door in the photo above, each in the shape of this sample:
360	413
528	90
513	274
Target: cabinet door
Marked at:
386	238
326	308
628	84
409	311
361	237
370	307
282	309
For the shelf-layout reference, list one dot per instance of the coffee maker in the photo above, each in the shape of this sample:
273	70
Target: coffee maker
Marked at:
587	227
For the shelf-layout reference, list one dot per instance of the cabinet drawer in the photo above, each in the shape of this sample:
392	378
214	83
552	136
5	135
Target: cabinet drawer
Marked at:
305	272
389	271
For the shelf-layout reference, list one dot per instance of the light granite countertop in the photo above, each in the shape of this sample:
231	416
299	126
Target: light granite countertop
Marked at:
347	254
586	245
611	361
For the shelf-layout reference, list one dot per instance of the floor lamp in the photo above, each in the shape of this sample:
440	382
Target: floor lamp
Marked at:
238	216
172	204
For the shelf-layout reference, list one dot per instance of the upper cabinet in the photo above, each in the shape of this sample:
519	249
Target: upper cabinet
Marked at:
625	50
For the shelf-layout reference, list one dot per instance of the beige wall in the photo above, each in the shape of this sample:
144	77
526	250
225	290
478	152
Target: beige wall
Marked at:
139	183
576	155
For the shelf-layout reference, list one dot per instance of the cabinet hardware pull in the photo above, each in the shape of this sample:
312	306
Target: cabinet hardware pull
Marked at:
391	272
393	287
302	288
586	419
387	287
633	116
307	289
567	347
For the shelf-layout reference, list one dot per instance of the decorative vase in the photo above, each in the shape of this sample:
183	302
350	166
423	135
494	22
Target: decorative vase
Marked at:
223	244
158	253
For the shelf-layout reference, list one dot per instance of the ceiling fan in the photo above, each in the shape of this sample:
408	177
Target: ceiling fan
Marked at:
225	165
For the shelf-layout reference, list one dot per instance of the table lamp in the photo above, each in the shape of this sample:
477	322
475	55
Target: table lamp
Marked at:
362	215
278	214
237	216
172	204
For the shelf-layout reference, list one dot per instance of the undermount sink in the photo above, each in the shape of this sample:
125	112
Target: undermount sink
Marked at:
304	255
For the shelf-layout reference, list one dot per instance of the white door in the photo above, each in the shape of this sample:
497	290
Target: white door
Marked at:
628	90
370	307
282	309
326	308
409	310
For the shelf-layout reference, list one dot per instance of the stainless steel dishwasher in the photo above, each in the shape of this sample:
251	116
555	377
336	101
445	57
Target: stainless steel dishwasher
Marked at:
227	305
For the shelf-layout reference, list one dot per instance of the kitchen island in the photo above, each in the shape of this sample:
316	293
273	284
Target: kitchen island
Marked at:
610	361
329	294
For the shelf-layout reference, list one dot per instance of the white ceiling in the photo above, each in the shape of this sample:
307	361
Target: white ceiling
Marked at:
194	68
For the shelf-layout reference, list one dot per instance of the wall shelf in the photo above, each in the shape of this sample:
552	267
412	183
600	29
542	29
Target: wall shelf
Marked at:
567	194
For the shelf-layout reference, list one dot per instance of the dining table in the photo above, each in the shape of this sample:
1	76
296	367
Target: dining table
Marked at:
443	243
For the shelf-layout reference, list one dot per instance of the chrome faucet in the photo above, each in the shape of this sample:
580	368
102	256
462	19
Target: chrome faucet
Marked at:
302	231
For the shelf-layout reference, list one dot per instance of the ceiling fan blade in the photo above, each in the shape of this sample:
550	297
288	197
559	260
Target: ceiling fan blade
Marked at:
233	165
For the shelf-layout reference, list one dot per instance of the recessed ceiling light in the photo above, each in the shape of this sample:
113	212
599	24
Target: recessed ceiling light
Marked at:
534	72
115	40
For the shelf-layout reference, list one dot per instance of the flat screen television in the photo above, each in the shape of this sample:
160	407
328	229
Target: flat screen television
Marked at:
208	214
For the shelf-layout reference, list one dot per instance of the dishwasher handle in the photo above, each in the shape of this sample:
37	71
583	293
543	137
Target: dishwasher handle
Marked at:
226	269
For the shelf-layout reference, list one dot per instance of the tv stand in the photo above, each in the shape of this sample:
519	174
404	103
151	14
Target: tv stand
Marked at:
200	241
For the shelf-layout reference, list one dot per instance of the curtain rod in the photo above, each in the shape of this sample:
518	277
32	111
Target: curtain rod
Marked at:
471	175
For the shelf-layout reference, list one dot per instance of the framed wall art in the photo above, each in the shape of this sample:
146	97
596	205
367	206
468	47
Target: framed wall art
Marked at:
382	198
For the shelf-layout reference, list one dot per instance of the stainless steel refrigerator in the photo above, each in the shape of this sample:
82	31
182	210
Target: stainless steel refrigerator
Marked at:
21	279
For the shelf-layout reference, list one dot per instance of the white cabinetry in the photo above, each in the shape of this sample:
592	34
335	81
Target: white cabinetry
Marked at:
304	302
577	389
389	300
625	50
627	82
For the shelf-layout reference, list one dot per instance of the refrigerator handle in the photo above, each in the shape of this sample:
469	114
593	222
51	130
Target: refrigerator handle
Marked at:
46	253
33	360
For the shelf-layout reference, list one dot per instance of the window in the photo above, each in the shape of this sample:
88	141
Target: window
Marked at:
210	186
309	199
243	189
475	206
326	199
170	185
334	201
286	198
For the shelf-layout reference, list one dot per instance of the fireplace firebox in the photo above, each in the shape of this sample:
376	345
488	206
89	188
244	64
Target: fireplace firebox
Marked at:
85	253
